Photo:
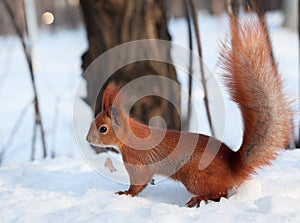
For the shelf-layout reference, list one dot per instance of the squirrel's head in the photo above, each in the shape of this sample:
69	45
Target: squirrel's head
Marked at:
107	128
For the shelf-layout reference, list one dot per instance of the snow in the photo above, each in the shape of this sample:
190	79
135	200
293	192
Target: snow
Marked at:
71	188
68	190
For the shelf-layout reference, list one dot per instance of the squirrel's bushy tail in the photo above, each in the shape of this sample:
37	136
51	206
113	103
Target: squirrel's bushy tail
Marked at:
255	85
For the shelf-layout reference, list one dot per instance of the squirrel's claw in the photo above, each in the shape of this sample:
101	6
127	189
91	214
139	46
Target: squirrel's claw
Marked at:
126	192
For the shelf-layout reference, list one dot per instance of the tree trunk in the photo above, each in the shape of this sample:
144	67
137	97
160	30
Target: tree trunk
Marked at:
110	23
291	14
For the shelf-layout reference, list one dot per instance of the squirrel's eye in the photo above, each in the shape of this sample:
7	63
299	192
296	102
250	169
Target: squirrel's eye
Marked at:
103	129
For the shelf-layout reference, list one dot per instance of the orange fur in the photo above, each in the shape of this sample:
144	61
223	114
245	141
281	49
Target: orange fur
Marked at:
254	84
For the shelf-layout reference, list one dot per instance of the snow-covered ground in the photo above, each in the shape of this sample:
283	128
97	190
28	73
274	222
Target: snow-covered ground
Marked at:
67	189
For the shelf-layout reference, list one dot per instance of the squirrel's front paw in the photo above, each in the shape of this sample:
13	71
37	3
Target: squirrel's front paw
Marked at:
126	192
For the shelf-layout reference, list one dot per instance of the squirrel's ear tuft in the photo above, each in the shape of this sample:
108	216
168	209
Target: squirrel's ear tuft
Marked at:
109	95
116	116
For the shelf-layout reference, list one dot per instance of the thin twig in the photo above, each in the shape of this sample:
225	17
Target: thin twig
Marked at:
232	8
1	157
190	86
55	124
38	120
33	142
228	7
126	21
298	143
197	32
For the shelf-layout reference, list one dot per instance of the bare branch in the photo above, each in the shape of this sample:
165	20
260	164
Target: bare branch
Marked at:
197	31
27	53
298	143
190	86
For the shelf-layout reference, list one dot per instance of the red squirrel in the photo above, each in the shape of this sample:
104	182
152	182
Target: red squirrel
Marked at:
254	84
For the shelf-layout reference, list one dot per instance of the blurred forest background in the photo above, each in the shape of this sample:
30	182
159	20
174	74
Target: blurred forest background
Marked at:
67	13
36	18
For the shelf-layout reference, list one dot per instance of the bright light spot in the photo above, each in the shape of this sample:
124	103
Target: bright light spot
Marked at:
48	18
73	2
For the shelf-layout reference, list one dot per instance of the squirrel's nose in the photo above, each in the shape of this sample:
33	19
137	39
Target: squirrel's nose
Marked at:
88	138
92	138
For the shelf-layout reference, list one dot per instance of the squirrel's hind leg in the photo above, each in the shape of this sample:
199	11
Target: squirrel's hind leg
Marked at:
195	201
